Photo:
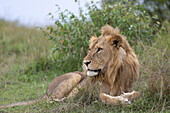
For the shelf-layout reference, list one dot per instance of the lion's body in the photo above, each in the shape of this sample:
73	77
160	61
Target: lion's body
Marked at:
111	62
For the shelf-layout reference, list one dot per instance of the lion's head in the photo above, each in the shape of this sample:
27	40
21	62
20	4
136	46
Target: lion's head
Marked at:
109	47
110	58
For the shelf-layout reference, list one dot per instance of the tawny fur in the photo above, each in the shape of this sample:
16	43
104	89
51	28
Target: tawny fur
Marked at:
119	70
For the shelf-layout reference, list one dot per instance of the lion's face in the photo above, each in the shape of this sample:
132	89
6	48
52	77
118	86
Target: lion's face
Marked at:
97	57
102	50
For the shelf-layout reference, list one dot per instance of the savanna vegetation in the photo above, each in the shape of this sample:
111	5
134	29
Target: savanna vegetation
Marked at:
31	58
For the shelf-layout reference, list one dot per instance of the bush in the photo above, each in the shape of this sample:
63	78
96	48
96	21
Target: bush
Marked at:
72	33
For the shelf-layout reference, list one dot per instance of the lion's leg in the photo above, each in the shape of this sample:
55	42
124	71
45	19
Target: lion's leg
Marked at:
66	86
113	100
131	96
75	90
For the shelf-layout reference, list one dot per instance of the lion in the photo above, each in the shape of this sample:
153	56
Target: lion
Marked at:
110	61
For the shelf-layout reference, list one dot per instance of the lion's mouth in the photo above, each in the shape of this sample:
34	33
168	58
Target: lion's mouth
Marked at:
93	72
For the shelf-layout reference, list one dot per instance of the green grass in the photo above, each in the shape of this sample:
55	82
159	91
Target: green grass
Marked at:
27	67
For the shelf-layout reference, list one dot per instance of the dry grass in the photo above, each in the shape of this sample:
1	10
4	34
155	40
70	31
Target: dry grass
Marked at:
155	72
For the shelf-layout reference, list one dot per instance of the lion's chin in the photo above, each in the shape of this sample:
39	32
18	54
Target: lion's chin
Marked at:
92	73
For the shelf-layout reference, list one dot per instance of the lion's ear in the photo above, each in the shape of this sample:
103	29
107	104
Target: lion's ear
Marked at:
115	40
93	38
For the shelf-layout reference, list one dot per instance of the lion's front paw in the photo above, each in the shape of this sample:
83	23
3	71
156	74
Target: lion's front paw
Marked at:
103	97
113	100
135	93
131	96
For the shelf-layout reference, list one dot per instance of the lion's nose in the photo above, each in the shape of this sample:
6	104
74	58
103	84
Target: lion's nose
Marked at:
87	62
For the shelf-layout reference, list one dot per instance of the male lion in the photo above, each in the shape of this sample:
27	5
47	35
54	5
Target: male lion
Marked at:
110	61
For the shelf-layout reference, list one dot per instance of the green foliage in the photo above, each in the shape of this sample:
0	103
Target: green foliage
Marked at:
153	7
158	7
72	33
131	19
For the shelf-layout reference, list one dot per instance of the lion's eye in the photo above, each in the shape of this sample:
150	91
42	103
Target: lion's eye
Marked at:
98	50
89	49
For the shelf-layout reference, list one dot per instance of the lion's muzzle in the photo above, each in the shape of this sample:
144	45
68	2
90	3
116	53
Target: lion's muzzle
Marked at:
91	72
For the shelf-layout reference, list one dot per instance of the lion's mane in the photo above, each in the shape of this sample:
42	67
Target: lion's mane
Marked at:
122	70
